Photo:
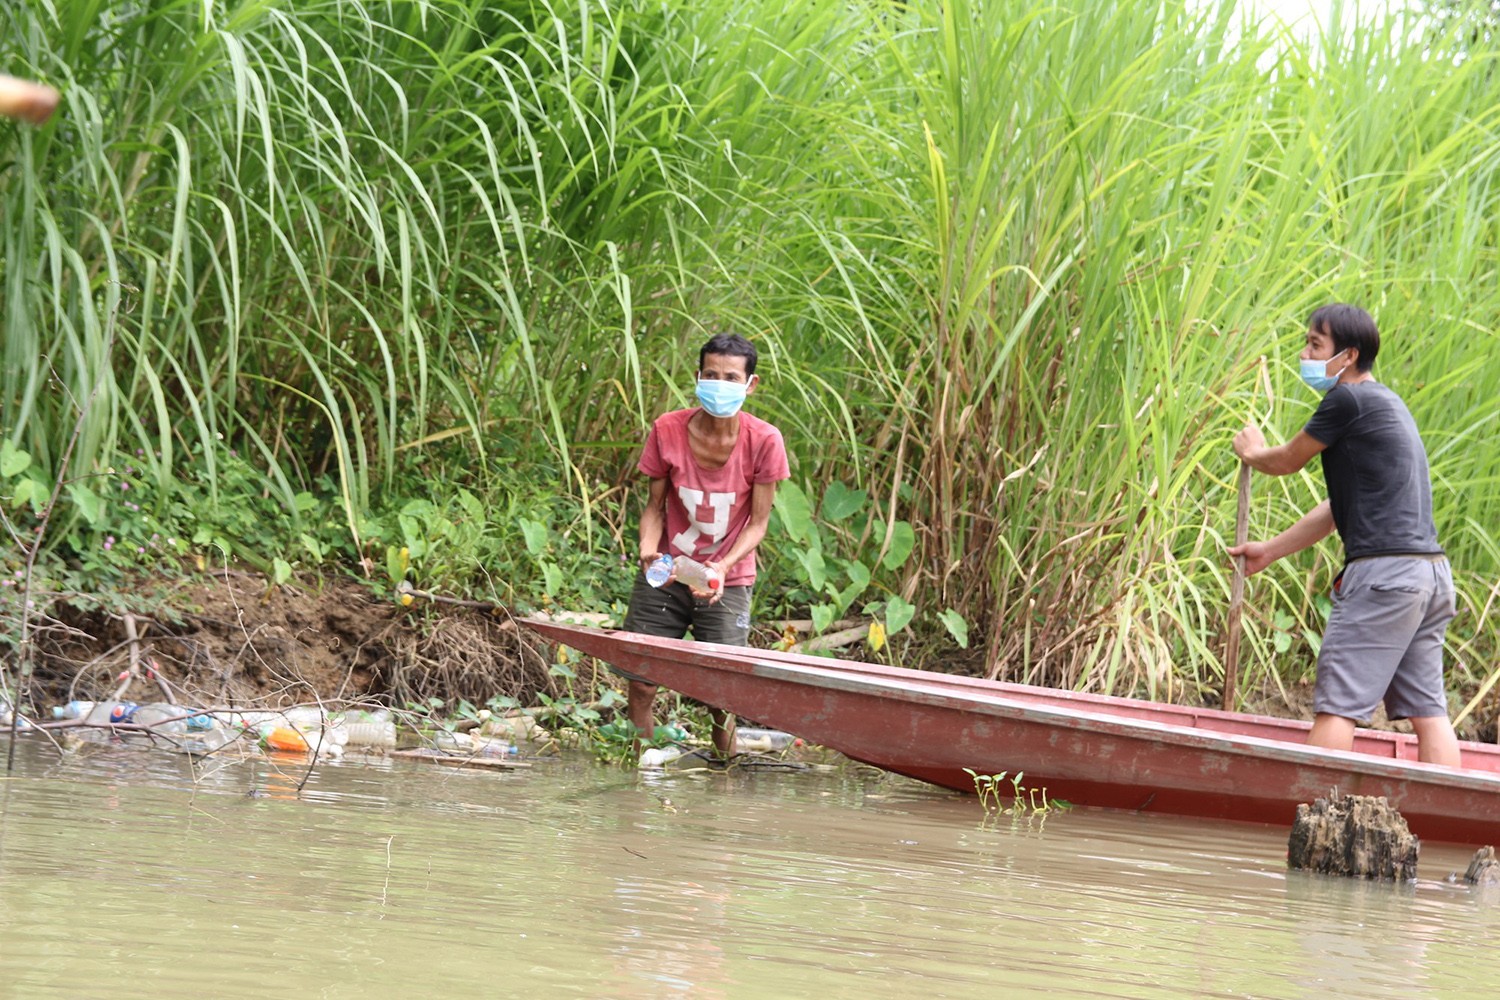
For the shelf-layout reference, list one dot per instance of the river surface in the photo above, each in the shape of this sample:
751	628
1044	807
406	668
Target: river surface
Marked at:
125	873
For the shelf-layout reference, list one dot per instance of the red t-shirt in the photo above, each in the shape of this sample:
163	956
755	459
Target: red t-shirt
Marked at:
708	508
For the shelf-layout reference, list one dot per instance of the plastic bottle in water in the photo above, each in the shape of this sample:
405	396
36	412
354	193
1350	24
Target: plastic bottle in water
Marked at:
112	712
761	740
156	714
305	716
173	718
657	757
6	719
73	710
361	733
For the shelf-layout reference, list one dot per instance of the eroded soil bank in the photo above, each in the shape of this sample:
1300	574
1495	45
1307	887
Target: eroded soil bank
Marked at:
234	639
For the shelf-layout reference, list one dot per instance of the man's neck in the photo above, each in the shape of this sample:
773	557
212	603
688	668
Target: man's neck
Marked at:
718	427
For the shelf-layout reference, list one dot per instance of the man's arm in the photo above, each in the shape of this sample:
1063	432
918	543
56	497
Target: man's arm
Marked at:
653	521
1282	460
761	499
1313	527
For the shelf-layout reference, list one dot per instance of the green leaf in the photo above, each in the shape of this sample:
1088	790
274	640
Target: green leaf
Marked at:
281	570
553	576
898	613
823	616
418	508
956	625
13	461
22	492
311	545
535	533
859	579
839	501
812	564
902	540
393	567
88	503
471	505
796	513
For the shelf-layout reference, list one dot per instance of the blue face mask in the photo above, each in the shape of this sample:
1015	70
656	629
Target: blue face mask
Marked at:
1315	373
720	398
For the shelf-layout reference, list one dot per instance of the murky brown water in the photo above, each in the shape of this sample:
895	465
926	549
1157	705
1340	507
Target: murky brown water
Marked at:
121	876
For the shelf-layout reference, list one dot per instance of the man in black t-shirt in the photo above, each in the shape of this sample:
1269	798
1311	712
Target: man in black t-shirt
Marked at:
1394	598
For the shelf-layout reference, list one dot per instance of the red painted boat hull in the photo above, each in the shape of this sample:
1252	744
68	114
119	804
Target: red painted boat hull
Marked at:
1086	749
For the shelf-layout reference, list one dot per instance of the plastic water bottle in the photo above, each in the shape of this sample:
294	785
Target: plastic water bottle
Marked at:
658	757
660	571
6	719
305	716
697	576
761	740
156	714
369	734
73	710
182	718
689	571
121	711
202	723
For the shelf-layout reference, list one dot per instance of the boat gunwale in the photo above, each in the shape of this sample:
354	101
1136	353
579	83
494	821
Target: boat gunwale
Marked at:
938	694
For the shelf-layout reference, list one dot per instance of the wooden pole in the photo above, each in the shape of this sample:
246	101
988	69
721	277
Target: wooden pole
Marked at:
30	102
1237	589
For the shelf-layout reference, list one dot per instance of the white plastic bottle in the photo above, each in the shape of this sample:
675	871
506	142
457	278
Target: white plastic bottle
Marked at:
361	733
696	575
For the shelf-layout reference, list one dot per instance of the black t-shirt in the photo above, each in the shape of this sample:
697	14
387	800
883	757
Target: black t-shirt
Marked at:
1376	471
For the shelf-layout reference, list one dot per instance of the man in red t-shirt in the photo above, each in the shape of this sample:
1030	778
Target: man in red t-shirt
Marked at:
713	472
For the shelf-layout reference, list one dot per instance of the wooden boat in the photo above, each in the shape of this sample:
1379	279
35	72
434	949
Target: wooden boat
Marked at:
1086	749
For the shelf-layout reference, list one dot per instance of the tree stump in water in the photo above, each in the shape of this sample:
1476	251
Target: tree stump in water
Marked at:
1356	835
1484	869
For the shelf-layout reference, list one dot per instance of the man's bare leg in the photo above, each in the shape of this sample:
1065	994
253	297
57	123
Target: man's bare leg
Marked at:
1331	732
1436	743
640	706
723	734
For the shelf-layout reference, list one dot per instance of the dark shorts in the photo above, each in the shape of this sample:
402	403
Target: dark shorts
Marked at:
1385	639
671	612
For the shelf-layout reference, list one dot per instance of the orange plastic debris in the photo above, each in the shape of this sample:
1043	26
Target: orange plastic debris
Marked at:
282	738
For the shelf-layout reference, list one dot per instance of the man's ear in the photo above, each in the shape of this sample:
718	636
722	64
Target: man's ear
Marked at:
750	385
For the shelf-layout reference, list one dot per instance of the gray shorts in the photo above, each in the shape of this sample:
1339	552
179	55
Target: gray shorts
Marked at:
672	611
1385	639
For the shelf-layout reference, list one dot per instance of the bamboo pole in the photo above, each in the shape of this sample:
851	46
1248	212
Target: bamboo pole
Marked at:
1237	590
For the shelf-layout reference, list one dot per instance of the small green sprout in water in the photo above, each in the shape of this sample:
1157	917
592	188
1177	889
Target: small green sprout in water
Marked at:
993	794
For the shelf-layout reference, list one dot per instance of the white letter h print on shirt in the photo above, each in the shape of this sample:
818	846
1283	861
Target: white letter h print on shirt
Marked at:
693	501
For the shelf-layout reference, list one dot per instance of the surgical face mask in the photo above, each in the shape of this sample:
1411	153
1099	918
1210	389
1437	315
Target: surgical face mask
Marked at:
1315	373
720	398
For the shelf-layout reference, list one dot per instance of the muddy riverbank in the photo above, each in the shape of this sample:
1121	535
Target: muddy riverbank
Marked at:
233	638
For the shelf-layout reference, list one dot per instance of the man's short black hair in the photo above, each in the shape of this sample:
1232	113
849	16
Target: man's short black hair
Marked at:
1348	326
729	345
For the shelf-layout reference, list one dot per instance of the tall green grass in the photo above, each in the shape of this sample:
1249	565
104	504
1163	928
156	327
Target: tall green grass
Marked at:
1018	270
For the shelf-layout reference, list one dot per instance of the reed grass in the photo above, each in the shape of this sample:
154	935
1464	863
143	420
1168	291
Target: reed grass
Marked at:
1018	270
